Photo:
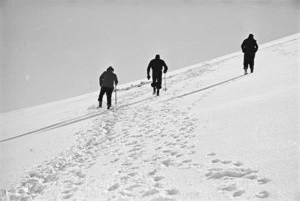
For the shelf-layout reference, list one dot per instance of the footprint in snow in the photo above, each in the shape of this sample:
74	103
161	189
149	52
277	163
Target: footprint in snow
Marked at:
133	187
158	185
192	152
229	173
238	164
153	172
70	191
114	187
233	172
67	196
167	163
229	188
263	194
133	174
162	199
150	192
226	162
158	178
238	193
179	155
216	161
263	180
172	191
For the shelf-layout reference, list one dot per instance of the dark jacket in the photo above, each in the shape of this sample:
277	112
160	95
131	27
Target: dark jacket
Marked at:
157	66
249	46
108	79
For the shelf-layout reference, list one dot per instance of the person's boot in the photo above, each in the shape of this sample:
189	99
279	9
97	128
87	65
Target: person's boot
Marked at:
108	106
154	90
245	71
157	92
100	104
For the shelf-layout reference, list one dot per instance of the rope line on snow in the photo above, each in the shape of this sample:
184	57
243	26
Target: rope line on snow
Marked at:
57	125
203	89
68	122
95	114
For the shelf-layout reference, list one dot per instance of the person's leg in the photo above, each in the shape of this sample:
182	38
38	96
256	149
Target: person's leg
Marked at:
109	92
251	63
246	63
153	84
251	66
159	78
157	82
100	98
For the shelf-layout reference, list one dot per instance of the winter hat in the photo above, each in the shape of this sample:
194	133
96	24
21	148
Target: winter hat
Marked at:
110	69
251	36
157	56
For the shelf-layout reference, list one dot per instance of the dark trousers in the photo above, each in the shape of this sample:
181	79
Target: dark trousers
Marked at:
249	61
156	80
108	91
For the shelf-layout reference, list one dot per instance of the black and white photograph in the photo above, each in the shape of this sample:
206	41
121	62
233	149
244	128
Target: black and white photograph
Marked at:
149	100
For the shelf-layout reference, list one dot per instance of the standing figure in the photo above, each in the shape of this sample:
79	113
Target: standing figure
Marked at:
107	81
249	48
157	66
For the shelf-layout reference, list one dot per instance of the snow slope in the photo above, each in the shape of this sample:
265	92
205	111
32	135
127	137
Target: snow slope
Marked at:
215	134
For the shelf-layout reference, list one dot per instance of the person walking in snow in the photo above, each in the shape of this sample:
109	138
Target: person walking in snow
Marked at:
249	48
157	66
107	81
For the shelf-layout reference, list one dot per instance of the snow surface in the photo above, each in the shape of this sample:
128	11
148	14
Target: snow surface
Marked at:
215	134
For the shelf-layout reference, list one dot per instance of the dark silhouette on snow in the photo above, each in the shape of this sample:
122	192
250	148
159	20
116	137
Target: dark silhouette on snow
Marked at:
157	66
249	48
107	81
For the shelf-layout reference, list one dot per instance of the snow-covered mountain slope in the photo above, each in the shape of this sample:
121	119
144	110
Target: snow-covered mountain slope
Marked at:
215	134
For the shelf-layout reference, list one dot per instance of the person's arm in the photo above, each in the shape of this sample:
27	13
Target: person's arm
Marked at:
165	67
116	81
148	70
256	46
243	46
101	79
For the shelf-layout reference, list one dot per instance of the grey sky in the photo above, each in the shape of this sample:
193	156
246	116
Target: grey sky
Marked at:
52	49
